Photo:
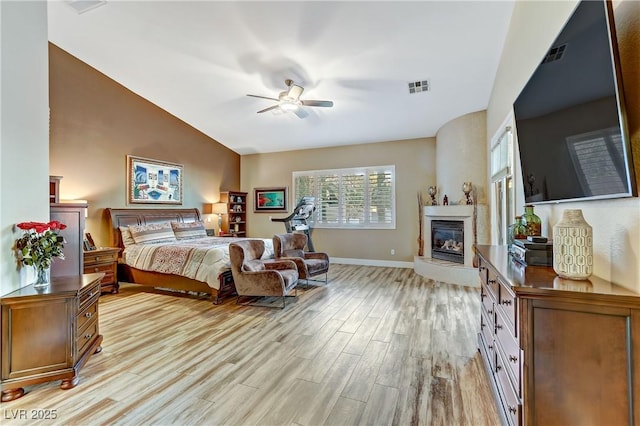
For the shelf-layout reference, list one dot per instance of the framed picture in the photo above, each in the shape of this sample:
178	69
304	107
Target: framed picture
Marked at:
270	200
153	181
89	244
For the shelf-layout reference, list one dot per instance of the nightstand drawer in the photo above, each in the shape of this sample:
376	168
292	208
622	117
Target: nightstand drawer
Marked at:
94	258
106	268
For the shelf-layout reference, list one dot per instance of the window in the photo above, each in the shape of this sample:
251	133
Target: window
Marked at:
502	194
362	197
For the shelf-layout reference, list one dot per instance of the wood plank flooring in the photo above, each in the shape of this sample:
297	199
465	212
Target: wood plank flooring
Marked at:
376	346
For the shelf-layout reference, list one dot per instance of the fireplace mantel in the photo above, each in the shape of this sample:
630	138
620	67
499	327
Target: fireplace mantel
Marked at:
462	210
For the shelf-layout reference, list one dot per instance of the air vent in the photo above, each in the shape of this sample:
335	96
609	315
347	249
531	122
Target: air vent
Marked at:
82	6
555	54
419	86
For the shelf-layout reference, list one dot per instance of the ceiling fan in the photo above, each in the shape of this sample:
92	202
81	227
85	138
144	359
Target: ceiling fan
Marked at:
289	100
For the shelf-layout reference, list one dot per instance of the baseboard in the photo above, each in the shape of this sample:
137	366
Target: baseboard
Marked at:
372	262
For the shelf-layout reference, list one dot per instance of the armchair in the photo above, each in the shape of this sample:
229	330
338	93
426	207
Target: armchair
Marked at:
256	277
291	246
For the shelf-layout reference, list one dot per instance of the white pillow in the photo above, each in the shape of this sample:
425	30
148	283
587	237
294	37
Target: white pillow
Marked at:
125	235
189	230
153	233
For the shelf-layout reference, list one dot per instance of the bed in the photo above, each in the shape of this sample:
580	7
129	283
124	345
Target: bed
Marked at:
216	280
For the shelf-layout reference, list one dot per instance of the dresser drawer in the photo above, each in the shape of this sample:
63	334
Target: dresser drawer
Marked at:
492	283
507	304
509	400
87	335
488	334
487	300
482	270
88	296
511	353
86	315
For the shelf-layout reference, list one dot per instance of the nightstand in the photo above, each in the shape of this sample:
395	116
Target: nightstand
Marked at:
104	259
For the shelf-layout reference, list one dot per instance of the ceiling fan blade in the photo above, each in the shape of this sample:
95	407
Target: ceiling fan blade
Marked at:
295	91
269	109
317	103
301	113
263	97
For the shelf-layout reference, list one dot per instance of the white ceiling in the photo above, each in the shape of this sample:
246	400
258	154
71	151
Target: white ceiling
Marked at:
199	59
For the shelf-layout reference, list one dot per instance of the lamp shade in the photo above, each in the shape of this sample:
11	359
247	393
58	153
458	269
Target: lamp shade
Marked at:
219	208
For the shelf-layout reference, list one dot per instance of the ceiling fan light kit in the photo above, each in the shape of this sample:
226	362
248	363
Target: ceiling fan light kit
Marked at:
289	100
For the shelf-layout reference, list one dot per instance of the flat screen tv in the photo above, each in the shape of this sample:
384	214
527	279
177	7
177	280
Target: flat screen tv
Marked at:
569	118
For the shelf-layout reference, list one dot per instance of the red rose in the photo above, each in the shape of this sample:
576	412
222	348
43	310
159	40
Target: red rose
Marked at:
41	227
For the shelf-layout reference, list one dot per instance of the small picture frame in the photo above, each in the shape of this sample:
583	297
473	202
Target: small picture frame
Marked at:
90	245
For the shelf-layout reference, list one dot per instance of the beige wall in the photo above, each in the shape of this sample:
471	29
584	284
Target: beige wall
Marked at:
415	171
616	223
24	165
461	156
95	123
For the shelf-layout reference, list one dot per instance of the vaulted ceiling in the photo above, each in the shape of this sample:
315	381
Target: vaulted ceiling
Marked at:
199	59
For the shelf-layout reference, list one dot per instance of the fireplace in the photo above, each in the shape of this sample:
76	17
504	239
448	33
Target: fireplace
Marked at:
447	240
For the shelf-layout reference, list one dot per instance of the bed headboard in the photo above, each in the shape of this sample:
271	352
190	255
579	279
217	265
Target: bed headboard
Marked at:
126	217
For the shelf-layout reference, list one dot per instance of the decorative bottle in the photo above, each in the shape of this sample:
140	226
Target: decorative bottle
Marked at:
516	231
531	222
573	246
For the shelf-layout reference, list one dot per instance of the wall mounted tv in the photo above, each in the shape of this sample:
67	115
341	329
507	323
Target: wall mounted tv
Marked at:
569	118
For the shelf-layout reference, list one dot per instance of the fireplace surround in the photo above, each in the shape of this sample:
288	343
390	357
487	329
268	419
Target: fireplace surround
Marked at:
462	273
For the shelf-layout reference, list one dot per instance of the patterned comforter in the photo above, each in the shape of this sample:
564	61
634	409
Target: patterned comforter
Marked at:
202	259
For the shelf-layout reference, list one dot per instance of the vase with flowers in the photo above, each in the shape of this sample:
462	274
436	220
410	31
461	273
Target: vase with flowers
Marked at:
38	246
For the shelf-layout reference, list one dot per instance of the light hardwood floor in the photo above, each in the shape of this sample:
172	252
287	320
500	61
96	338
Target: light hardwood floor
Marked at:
376	346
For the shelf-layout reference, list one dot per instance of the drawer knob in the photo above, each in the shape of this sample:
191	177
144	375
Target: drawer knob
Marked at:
506	302
490	311
499	326
492	281
96	269
513	358
88	314
490	347
498	367
87	336
90	295
482	268
513	410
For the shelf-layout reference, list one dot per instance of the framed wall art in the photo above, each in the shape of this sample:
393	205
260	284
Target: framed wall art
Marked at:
270	199
153	181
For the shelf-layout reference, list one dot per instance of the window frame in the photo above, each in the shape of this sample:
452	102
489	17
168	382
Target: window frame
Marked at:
341	173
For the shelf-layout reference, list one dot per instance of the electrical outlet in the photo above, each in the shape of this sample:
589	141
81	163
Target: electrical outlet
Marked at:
393	252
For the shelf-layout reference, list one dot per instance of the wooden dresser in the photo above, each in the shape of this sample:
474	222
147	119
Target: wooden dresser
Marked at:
557	351
103	259
50	334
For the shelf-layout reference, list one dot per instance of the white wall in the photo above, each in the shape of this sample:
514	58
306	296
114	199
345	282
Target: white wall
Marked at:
24	132
616	223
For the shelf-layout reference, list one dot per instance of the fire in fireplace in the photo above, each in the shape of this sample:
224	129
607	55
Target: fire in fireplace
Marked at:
447	240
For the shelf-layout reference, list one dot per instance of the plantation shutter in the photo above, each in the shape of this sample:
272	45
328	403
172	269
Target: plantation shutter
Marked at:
361	197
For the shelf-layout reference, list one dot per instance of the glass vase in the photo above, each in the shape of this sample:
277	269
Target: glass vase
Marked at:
42	277
532	223
516	231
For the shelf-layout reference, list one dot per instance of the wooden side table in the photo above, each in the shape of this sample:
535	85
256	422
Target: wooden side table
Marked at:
104	259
